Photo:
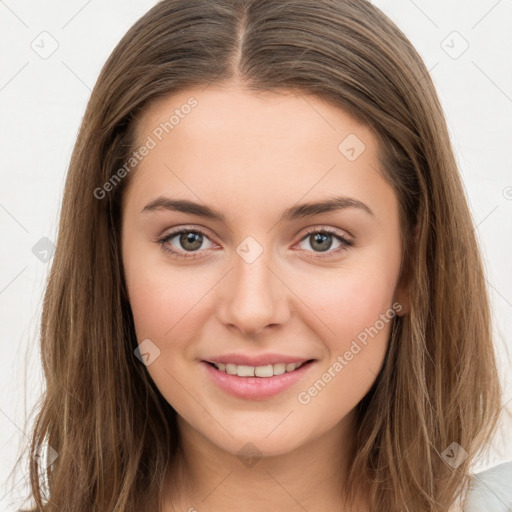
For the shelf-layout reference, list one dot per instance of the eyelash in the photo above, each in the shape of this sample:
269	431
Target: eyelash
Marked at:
346	243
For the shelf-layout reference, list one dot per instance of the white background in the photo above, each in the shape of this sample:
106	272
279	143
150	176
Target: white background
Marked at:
43	100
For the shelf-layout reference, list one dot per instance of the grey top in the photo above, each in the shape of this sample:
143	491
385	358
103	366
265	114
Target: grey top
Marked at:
491	490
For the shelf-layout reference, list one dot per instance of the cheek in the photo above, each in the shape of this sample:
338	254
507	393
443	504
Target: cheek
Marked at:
350	300
166	305
357	308
165	300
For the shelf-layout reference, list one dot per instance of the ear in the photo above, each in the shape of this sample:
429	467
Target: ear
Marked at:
402	291
402	301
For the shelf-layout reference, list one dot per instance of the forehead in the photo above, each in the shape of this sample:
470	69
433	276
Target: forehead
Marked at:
255	147
252	117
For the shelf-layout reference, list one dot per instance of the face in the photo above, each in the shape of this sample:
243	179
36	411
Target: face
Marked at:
253	282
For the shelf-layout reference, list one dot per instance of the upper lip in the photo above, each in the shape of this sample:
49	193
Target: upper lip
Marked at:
261	360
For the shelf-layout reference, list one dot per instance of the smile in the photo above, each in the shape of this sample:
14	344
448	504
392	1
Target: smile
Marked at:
257	371
256	382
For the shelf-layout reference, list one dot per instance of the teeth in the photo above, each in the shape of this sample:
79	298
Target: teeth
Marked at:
231	369
245	371
257	371
264	371
279	368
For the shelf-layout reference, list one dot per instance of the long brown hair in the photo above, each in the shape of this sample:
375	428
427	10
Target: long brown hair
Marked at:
115	435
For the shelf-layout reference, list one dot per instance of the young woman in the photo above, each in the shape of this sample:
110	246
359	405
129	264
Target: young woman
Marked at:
267	291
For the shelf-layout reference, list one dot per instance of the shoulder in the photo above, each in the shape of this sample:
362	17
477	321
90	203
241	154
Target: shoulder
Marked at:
491	490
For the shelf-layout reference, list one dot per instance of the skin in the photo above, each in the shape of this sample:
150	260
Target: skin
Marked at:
251	156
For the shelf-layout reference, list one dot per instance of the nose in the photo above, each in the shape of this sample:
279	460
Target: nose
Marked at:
254	297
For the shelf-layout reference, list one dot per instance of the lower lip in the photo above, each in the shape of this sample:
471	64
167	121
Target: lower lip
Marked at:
256	388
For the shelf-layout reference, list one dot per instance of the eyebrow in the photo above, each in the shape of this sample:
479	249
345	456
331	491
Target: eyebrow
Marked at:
295	212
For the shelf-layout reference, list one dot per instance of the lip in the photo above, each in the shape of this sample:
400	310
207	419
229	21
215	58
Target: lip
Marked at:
261	360
256	388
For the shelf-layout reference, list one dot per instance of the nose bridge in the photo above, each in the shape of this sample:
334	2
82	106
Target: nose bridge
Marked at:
255	297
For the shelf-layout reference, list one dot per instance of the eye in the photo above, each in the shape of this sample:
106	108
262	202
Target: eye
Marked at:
321	239
190	239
